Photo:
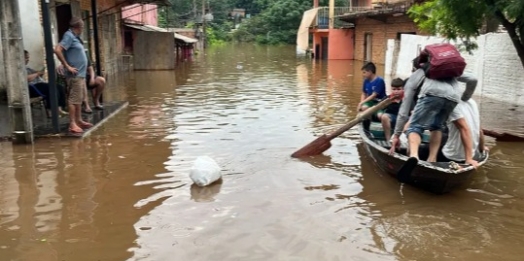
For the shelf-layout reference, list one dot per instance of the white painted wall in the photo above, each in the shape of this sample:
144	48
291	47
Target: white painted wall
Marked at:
32	32
495	63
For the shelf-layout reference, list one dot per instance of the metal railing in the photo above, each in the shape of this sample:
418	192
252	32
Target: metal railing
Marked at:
322	21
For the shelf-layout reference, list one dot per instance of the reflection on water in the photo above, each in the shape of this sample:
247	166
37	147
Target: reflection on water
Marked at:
124	193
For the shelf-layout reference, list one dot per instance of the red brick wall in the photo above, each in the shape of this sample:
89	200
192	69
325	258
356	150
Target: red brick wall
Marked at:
103	5
381	32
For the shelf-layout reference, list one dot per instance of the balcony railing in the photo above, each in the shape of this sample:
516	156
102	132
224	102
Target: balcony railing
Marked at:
378	6
323	16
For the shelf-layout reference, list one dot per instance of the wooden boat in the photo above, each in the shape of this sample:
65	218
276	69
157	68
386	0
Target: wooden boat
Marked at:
437	177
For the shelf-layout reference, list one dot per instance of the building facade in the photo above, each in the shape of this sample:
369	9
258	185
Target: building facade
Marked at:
358	31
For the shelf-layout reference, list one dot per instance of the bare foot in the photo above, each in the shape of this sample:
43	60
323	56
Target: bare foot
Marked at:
85	125
73	128
87	109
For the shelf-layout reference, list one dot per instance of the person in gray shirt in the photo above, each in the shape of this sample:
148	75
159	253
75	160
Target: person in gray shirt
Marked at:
436	101
71	53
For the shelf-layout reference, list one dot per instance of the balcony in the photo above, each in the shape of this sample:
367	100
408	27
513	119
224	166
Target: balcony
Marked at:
322	21
379	10
345	15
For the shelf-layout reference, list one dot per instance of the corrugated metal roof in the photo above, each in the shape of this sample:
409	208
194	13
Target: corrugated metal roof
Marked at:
151	28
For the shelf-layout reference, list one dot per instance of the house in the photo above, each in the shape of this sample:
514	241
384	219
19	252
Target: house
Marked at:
358	31
331	39
109	31
102	37
141	13
159	54
375	26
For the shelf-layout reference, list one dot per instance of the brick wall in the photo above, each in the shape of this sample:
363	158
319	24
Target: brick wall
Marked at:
495	63
380	32
109	33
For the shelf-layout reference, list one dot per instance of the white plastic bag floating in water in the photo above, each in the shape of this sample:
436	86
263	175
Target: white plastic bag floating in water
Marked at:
205	171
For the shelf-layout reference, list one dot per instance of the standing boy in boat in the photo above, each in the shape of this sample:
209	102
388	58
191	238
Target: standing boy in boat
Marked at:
389	117
437	99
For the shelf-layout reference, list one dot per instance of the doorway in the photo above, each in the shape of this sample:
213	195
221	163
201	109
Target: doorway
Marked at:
324	43
368	43
63	17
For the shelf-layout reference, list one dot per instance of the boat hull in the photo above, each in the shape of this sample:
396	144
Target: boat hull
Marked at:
437	178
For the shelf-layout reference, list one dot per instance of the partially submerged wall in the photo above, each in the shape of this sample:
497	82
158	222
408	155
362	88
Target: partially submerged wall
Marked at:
154	55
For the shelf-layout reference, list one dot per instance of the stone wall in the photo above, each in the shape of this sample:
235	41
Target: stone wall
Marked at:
495	63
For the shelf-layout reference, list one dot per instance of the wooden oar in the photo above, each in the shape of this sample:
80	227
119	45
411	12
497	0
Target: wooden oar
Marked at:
323	142
503	136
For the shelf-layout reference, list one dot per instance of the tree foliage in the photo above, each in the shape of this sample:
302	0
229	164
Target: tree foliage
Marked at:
277	23
462	20
271	22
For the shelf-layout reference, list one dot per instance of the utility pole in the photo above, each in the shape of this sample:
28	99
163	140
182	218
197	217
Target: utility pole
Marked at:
331	14
203	24
17	87
94	11
51	72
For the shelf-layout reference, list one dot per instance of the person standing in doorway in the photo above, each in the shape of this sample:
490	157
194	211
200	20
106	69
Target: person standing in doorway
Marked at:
71	53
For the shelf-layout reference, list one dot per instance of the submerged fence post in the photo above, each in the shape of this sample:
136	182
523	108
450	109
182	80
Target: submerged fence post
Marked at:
14	62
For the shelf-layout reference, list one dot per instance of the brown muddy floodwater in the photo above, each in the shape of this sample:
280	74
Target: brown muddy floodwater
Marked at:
124	192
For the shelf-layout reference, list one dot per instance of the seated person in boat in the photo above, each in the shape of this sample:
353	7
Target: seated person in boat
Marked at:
389	116
465	138
436	101
373	88
39	88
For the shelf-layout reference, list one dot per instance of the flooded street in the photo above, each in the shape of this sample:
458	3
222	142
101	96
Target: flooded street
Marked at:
124	193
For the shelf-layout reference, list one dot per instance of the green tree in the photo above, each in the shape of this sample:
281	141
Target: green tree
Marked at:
459	19
277	23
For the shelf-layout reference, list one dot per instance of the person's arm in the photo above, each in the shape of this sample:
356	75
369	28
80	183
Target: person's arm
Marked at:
33	76
59	54
66	42
410	88
369	98
380	88
471	85
362	97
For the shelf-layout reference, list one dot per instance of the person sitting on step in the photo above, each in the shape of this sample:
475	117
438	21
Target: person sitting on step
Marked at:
39	88
96	85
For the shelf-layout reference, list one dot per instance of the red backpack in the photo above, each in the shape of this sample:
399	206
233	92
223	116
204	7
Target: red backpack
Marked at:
442	61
